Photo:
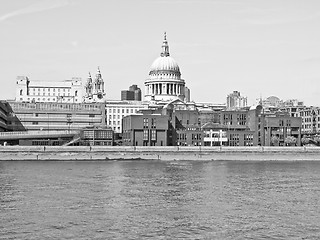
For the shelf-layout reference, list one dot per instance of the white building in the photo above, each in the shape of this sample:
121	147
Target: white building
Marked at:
66	91
116	110
164	82
214	135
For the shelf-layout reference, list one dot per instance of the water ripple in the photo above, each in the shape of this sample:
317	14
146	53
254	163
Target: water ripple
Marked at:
159	200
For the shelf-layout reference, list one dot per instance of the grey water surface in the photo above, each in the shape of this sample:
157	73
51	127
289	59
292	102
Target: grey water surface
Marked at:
159	200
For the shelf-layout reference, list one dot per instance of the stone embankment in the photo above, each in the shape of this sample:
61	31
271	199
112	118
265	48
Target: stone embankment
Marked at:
76	153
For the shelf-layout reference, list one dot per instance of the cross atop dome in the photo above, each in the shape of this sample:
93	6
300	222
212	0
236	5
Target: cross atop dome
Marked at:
165	47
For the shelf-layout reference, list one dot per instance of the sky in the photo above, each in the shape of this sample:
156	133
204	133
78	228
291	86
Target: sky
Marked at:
261	48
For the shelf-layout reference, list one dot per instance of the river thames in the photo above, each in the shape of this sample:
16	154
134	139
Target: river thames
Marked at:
160	200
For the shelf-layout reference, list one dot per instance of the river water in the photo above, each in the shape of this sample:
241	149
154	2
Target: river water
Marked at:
160	200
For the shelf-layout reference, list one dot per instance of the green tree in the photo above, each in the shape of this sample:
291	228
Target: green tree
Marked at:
305	140
317	139
290	141
275	140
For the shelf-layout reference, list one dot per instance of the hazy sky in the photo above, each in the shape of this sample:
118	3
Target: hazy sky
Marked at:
258	47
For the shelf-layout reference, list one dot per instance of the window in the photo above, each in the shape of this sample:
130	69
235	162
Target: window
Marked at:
248	139
288	122
20	92
145	134
145	122
234	139
153	122
281	123
153	135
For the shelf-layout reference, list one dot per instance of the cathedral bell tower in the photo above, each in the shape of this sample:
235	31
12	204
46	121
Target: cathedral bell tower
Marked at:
94	89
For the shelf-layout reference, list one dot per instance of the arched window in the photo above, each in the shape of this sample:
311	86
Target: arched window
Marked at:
20	92
76	93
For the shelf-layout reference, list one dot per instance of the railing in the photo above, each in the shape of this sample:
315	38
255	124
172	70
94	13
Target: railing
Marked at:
33	133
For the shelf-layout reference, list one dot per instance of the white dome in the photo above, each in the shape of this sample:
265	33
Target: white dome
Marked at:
165	64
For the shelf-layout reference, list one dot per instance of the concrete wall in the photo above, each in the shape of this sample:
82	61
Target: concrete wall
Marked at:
160	153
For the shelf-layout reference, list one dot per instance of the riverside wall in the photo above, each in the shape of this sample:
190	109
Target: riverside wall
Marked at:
84	153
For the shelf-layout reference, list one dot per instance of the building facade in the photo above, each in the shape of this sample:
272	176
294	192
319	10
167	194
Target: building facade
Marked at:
145	130
310	120
96	136
133	94
116	110
236	101
58	116
164	82
215	134
279	127
67	91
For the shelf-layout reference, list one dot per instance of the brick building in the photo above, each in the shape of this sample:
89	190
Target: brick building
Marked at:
145	130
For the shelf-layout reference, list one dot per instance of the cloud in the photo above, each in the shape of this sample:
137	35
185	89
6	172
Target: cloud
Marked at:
39	6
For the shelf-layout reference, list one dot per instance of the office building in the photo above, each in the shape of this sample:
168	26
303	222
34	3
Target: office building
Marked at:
133	94
236	101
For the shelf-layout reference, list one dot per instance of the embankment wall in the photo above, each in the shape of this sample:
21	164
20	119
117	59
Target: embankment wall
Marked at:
78	153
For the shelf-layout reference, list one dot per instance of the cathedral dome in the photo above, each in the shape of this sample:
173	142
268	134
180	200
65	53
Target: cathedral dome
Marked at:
165	64
164	82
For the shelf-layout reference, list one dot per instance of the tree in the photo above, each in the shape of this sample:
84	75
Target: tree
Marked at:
275	140
317	139
290	141
305	140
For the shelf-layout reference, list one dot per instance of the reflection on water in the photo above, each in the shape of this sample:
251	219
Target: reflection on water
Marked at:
159	200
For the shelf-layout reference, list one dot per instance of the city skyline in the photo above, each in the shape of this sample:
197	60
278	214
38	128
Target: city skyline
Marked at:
258	48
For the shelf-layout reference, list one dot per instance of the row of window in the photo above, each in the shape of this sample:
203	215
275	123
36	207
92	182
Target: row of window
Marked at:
118	110
53	94
48	99
54	106
49	89
152	134
146	123
100	134
215	135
